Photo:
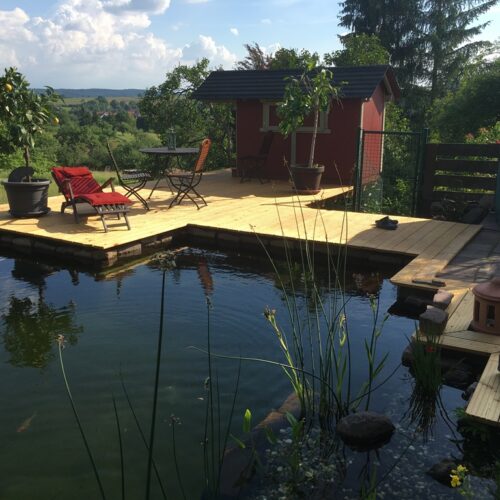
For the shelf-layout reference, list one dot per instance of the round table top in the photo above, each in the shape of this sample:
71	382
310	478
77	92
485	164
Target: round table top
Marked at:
165	151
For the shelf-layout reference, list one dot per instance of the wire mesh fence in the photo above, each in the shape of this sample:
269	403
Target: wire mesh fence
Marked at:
388	172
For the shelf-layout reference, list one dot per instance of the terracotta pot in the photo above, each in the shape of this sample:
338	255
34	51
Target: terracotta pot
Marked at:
307	180
27	199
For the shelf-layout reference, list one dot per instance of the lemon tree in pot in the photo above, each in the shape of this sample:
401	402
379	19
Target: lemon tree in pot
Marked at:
23	115
309	94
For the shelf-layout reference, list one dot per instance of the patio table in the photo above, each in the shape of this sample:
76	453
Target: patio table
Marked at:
166	155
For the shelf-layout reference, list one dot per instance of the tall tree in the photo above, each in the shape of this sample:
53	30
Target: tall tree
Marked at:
359	50
428	40
397	25
446	45
283	58
255	58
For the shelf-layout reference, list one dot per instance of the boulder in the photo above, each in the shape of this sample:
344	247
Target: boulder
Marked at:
467	394
442	299
442	470
458	378
433	321
365	430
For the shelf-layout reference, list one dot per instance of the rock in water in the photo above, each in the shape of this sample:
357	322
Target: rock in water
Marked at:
365	430
442	470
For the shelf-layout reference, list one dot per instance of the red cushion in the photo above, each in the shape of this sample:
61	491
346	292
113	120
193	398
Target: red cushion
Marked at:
80	178
74	171
96	199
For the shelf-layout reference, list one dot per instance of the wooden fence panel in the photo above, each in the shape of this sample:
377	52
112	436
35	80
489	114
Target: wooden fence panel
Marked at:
460	172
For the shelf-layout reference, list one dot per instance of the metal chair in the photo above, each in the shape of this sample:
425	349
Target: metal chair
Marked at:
186	184
253	165
78	186
132	181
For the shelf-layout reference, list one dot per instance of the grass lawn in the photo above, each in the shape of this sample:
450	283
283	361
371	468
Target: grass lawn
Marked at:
53	191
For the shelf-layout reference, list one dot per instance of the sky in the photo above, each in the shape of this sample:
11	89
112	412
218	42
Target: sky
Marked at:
133	43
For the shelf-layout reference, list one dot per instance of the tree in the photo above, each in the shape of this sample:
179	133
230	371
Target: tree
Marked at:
478	94
428	40
397	25
292	59
309	94
445	44
359	50
255	58
24	113
169	105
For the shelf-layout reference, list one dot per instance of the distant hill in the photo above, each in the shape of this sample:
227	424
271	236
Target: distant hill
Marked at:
93	93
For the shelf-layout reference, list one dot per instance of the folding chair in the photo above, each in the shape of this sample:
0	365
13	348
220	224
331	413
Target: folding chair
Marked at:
253	165
186	184
78	186
131	180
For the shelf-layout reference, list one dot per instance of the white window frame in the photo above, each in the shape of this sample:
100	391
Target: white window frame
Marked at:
322	125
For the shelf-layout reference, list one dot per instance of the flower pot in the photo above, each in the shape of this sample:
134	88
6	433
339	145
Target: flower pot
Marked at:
307	180
27	199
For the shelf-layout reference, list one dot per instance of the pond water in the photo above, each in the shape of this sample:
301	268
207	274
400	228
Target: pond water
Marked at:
111	333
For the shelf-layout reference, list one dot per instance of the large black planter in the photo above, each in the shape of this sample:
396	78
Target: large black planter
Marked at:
307	180
27	199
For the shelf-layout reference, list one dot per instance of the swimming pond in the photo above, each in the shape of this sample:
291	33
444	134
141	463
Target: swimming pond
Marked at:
111	333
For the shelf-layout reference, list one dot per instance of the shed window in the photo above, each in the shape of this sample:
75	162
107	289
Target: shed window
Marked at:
270	119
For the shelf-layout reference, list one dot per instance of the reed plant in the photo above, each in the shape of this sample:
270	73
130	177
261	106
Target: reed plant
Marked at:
428	381
317	346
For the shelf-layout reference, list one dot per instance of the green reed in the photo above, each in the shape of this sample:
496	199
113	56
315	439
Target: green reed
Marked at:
317	345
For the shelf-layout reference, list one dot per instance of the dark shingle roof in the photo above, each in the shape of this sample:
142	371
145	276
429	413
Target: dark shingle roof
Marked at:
357	82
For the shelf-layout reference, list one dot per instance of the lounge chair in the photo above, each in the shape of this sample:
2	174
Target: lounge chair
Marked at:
130	180
79	186
253	165
186	183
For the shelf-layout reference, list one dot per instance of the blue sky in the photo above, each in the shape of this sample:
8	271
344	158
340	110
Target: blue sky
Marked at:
133	43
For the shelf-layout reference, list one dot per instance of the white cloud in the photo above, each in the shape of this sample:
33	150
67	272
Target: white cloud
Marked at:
205	46
265	21
150	6
97	43
234	31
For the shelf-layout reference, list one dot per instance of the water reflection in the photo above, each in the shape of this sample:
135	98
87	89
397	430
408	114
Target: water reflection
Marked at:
30	325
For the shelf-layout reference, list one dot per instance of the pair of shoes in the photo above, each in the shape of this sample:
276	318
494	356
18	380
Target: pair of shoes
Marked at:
387	223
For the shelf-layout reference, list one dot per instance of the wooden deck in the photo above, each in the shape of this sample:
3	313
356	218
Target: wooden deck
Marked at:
270	210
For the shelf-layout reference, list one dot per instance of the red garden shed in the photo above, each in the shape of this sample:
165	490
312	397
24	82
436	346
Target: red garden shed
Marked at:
364	92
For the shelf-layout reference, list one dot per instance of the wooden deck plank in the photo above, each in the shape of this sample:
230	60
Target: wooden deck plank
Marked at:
462	315
485	402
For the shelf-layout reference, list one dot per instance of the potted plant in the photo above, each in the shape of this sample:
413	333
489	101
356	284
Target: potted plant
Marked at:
23	115
309	94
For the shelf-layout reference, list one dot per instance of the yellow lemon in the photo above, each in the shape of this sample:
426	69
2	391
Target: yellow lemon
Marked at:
55	120
8	87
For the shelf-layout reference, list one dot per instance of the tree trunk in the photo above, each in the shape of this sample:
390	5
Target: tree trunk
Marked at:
26	155
313	140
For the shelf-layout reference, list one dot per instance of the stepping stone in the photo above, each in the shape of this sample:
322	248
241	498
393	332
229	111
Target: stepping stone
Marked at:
433	321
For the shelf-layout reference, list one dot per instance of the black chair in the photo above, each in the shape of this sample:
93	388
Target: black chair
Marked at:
186	184
132	181
253	165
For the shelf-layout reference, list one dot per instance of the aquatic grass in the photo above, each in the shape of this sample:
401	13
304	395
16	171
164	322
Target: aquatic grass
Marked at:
428	381
120	443
142	435
60	343
155	390
173	422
